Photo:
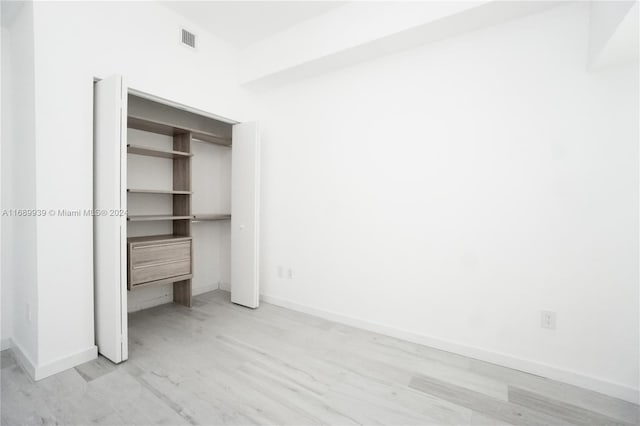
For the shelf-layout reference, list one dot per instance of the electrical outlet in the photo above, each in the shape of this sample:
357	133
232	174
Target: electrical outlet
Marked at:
548	320
280	272
290	273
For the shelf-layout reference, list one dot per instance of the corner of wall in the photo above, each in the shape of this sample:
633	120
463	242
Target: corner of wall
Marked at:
23	359
5	343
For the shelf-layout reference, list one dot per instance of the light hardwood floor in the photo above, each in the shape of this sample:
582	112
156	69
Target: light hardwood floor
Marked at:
219	363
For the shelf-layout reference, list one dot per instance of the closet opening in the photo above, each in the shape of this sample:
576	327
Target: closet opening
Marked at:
187	185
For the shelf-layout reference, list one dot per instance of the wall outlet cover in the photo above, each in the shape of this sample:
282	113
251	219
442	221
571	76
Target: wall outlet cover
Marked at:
548	320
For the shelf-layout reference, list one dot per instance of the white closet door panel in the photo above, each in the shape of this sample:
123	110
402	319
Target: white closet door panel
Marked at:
245	214
110	254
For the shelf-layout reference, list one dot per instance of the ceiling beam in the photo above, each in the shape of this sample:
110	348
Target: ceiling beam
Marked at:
361	31
613	33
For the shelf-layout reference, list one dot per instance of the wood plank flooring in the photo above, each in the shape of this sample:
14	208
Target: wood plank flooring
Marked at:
220	363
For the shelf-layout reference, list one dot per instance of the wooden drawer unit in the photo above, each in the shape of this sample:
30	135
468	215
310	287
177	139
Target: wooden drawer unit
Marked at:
144	254
158	259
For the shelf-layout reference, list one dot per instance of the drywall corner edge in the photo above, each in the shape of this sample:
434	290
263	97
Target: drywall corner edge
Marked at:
22	358
595	384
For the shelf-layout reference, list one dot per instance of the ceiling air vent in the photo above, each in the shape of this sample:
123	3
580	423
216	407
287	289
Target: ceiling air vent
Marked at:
188	38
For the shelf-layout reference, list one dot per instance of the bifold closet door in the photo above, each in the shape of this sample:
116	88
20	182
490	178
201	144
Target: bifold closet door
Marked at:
245	214
110	226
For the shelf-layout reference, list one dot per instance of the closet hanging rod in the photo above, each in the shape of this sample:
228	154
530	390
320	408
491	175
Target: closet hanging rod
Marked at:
209	217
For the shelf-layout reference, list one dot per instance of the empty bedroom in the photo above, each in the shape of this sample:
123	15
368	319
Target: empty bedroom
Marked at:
320	213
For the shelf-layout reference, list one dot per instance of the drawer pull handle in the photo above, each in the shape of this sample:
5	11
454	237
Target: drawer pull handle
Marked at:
150	265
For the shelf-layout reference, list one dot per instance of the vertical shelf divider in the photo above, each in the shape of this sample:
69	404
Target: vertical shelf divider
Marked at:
182	207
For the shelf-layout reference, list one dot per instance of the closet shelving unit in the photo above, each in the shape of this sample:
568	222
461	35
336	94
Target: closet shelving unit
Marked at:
162	259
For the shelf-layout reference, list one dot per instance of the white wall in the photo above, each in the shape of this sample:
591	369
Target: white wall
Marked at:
19	265
451	192
75	42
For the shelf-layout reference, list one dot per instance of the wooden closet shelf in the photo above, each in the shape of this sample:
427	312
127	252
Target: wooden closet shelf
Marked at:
153	152
143	218
159	191
168	129
212	217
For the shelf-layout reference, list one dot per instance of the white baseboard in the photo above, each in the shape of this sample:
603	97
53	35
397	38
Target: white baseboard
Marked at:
64	363
616	390
6	344
38	372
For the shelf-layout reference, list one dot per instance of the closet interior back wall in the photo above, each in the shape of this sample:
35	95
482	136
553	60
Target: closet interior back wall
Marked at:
211	185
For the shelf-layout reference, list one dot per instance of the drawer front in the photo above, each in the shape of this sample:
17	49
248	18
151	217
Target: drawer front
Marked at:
158	271
151	253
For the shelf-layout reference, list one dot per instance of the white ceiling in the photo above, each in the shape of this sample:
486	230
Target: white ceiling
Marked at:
242	23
